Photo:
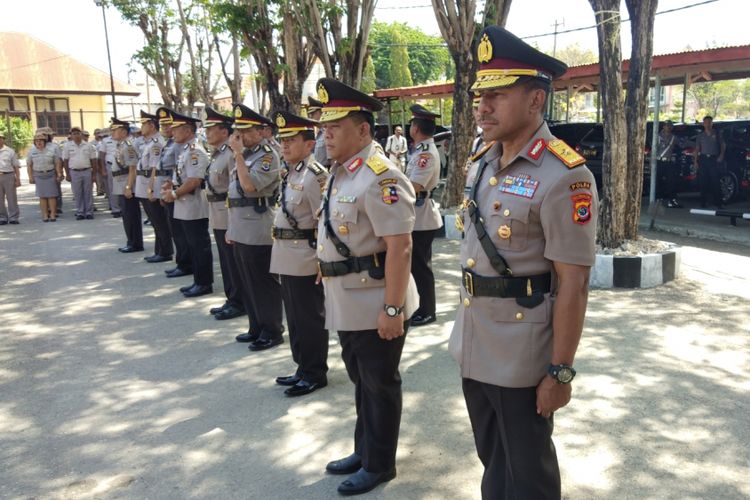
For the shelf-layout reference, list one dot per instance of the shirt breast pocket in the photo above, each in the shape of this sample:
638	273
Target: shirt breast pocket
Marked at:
509	225
344	220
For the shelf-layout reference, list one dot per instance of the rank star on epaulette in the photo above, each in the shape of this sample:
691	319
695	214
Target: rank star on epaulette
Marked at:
377	165
267	148
315	168
565	153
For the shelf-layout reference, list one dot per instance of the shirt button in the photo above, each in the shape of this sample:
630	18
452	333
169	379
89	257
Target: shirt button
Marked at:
363	280
295	242
519	316
334	190
467	302
506	212
470	263
320	248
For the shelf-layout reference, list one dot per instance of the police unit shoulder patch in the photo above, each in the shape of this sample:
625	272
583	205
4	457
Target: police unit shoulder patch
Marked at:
390	194
377	165
565	153
424	160
581	208
482	151
265	163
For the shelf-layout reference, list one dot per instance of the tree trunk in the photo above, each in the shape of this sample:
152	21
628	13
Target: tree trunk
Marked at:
611	230
463	132
642	14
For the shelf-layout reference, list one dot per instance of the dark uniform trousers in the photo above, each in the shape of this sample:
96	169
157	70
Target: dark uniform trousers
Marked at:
513	442
131	220
668	175
708	179
262	296
157	214
304	303
421	269
182	250
199	247
372	365
229	272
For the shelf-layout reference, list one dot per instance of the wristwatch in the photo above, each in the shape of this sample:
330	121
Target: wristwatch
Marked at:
563	374
392	311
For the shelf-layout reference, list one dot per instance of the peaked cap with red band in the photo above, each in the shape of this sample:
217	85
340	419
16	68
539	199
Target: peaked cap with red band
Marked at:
214	118
422	113
504	60
245	117
339	100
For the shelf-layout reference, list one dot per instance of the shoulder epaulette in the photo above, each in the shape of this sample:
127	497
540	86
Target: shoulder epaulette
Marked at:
267	148
223	147
422	147
565	153
482	151
316	168
128	143
377	165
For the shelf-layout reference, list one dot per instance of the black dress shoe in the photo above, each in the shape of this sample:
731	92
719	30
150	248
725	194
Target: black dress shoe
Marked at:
216	310
125	249
116	215
14	222
263	344
304	387
90	217
80	217
4	222
229	313
185	288
247	337
363	481
198	290
155	259
419	320
348	465
177	273
148	258
289	380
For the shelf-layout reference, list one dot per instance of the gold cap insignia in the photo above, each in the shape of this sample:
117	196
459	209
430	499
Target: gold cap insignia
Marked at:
322	94
163	113
280	121
484	51
238	113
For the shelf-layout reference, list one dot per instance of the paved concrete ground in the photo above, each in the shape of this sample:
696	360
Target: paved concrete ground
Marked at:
113	386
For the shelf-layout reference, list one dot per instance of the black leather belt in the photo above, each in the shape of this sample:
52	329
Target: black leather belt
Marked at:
81	169
119	173
216	197
251	202
165	172
375	264
294	234
143	173
43	171
505	287
424	194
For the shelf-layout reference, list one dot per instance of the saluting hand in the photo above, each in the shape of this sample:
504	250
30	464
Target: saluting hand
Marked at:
390	328
551	396
235	142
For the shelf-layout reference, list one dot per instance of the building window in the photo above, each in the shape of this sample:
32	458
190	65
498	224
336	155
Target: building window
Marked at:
54	113
15	106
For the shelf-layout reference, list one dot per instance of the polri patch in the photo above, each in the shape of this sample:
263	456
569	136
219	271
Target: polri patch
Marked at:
265	163
387	182
580	185
581	208
390	194
424	160
519	185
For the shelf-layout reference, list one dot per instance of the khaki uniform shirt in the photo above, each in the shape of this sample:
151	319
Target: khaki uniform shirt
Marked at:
252	225
302	194
43	160
108	146
709	144
537	211
8	160
321	155
170	153
424	169
126	156
150	154
217	182
79	156
192	164
370	198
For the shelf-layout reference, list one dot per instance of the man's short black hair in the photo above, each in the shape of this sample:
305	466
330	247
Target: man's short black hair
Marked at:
533	84
226	126
427	127
708	117
308	135
364	117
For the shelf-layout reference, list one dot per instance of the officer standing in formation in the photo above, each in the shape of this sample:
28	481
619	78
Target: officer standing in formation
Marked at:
253	191
218	129
709	155
79	161
170	153
185	191
423	171
10	180
530	225
364	248
293	255
125	161
144	189
314	110
106	160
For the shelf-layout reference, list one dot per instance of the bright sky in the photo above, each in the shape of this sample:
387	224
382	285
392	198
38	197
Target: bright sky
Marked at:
722	23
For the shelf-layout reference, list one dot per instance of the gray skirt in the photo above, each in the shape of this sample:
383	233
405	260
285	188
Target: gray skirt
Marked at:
46	184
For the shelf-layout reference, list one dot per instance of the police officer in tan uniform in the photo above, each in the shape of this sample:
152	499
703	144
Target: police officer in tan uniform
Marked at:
364	248
253	191
123	173
314	110
10	180
153	143
293	256
190	206
218	129
423	171
530	225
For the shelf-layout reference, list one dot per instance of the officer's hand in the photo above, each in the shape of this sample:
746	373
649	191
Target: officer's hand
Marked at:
390	328
318	278
18	181
551	396
226	238
128	193
31	180
67	177
235	142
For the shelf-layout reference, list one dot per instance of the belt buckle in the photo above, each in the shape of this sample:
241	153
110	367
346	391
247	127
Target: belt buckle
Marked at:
469	283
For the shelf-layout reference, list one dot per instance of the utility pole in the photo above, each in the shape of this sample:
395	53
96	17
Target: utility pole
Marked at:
557	24
100	3
551	104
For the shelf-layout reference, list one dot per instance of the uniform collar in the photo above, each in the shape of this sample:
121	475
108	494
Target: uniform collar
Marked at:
533	151
355	163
